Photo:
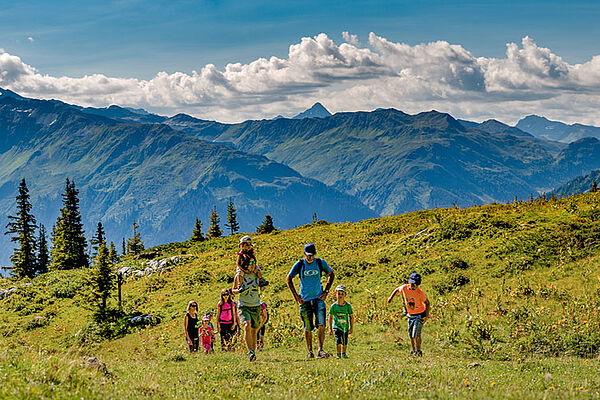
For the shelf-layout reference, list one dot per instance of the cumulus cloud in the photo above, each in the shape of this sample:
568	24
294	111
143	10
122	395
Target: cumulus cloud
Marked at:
31	39
345	77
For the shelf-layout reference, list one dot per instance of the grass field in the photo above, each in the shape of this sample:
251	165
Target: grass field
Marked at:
514	288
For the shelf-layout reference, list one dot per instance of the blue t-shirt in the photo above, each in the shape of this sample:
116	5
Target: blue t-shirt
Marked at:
310	280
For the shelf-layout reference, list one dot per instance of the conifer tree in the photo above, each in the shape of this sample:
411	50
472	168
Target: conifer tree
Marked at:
112	253
69	243
124	251
197	235
232	223
314	217
267	225
102	282
594	187
98	238
22	227
43	258
214	229
135	244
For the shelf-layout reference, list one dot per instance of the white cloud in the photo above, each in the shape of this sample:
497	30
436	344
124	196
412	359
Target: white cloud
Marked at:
346	77
352	39
31	39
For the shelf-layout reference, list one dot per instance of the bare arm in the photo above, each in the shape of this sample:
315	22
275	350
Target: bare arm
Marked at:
330	324
351	324
236	317
263	318
185	323
427	308
330	278
218	317
290	283
236	284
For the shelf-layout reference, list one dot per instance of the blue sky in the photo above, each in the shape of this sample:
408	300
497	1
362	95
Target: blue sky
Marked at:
474	59
132	38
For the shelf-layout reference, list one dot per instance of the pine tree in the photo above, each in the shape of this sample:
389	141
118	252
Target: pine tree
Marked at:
197	235
267	225
124	251
22	226
314	217
43	258
594	188
135	244
214	230
112	254
232	223
98	238
69	243
102	282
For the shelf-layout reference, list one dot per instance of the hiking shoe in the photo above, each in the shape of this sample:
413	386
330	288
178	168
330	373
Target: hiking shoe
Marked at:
252	355
310	355
263	283
338	356
322	354
419	353
344	355
413	353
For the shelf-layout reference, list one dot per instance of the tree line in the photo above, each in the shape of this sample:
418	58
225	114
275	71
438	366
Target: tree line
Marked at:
31	255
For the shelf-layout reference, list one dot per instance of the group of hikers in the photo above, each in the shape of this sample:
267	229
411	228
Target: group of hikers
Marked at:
250	315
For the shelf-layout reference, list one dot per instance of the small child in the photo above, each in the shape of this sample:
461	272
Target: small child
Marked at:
206	333
341	321
417	310
208	315
246	263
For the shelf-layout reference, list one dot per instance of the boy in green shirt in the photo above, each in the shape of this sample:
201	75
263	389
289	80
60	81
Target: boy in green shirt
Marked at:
341	321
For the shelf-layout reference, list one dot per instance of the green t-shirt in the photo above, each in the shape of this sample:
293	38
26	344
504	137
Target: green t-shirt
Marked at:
341	316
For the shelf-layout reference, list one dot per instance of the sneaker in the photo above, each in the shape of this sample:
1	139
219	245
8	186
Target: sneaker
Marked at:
413	353
344	355
322	354
252	355
263	283
419	353
338	356
310	355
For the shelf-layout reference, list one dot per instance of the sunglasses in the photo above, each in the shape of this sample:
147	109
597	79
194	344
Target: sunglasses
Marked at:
194	305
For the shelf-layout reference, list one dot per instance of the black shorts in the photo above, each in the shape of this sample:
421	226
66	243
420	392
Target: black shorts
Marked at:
341	337
226	332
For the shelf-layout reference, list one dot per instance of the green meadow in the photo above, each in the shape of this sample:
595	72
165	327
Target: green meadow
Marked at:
515	293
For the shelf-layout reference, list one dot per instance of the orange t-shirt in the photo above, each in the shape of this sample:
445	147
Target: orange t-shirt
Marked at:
414	300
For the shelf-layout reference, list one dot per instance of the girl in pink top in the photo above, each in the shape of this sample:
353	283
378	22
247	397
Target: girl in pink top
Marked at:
227	318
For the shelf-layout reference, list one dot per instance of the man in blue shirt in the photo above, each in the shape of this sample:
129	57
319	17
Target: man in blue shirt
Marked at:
312	296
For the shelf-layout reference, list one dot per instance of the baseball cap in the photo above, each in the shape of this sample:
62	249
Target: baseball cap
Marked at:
341	288
309	249
414	278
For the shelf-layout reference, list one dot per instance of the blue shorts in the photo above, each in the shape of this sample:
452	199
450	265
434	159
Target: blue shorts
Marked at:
313	314
415	325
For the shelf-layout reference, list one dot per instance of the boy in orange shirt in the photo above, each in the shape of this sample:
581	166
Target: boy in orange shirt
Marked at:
417	309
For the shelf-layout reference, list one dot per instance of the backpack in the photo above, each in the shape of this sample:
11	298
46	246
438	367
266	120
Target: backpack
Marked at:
303	267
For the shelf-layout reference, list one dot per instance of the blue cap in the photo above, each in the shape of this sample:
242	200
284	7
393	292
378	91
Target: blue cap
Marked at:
414	278
309	249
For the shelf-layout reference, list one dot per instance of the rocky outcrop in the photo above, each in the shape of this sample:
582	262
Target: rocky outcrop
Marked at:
150	267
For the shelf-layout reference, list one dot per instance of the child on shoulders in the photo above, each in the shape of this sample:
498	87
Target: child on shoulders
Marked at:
341	321
247	264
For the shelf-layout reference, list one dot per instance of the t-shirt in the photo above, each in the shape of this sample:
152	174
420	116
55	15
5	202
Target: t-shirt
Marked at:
414	300
310	280
205	333
341	316
226	316
250	297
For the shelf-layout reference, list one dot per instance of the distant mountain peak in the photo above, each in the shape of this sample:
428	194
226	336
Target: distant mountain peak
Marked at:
316	111
10	93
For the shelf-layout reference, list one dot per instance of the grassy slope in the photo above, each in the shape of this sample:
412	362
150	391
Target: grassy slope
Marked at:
528	315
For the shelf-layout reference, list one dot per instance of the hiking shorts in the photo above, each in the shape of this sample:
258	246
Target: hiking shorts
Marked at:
341	337
250	315
415	324
313	314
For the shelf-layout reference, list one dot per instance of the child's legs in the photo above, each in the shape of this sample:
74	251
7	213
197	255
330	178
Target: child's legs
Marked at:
340	349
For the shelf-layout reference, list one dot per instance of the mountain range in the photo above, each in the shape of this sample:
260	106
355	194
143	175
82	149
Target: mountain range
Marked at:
149	173
554	130
163	172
